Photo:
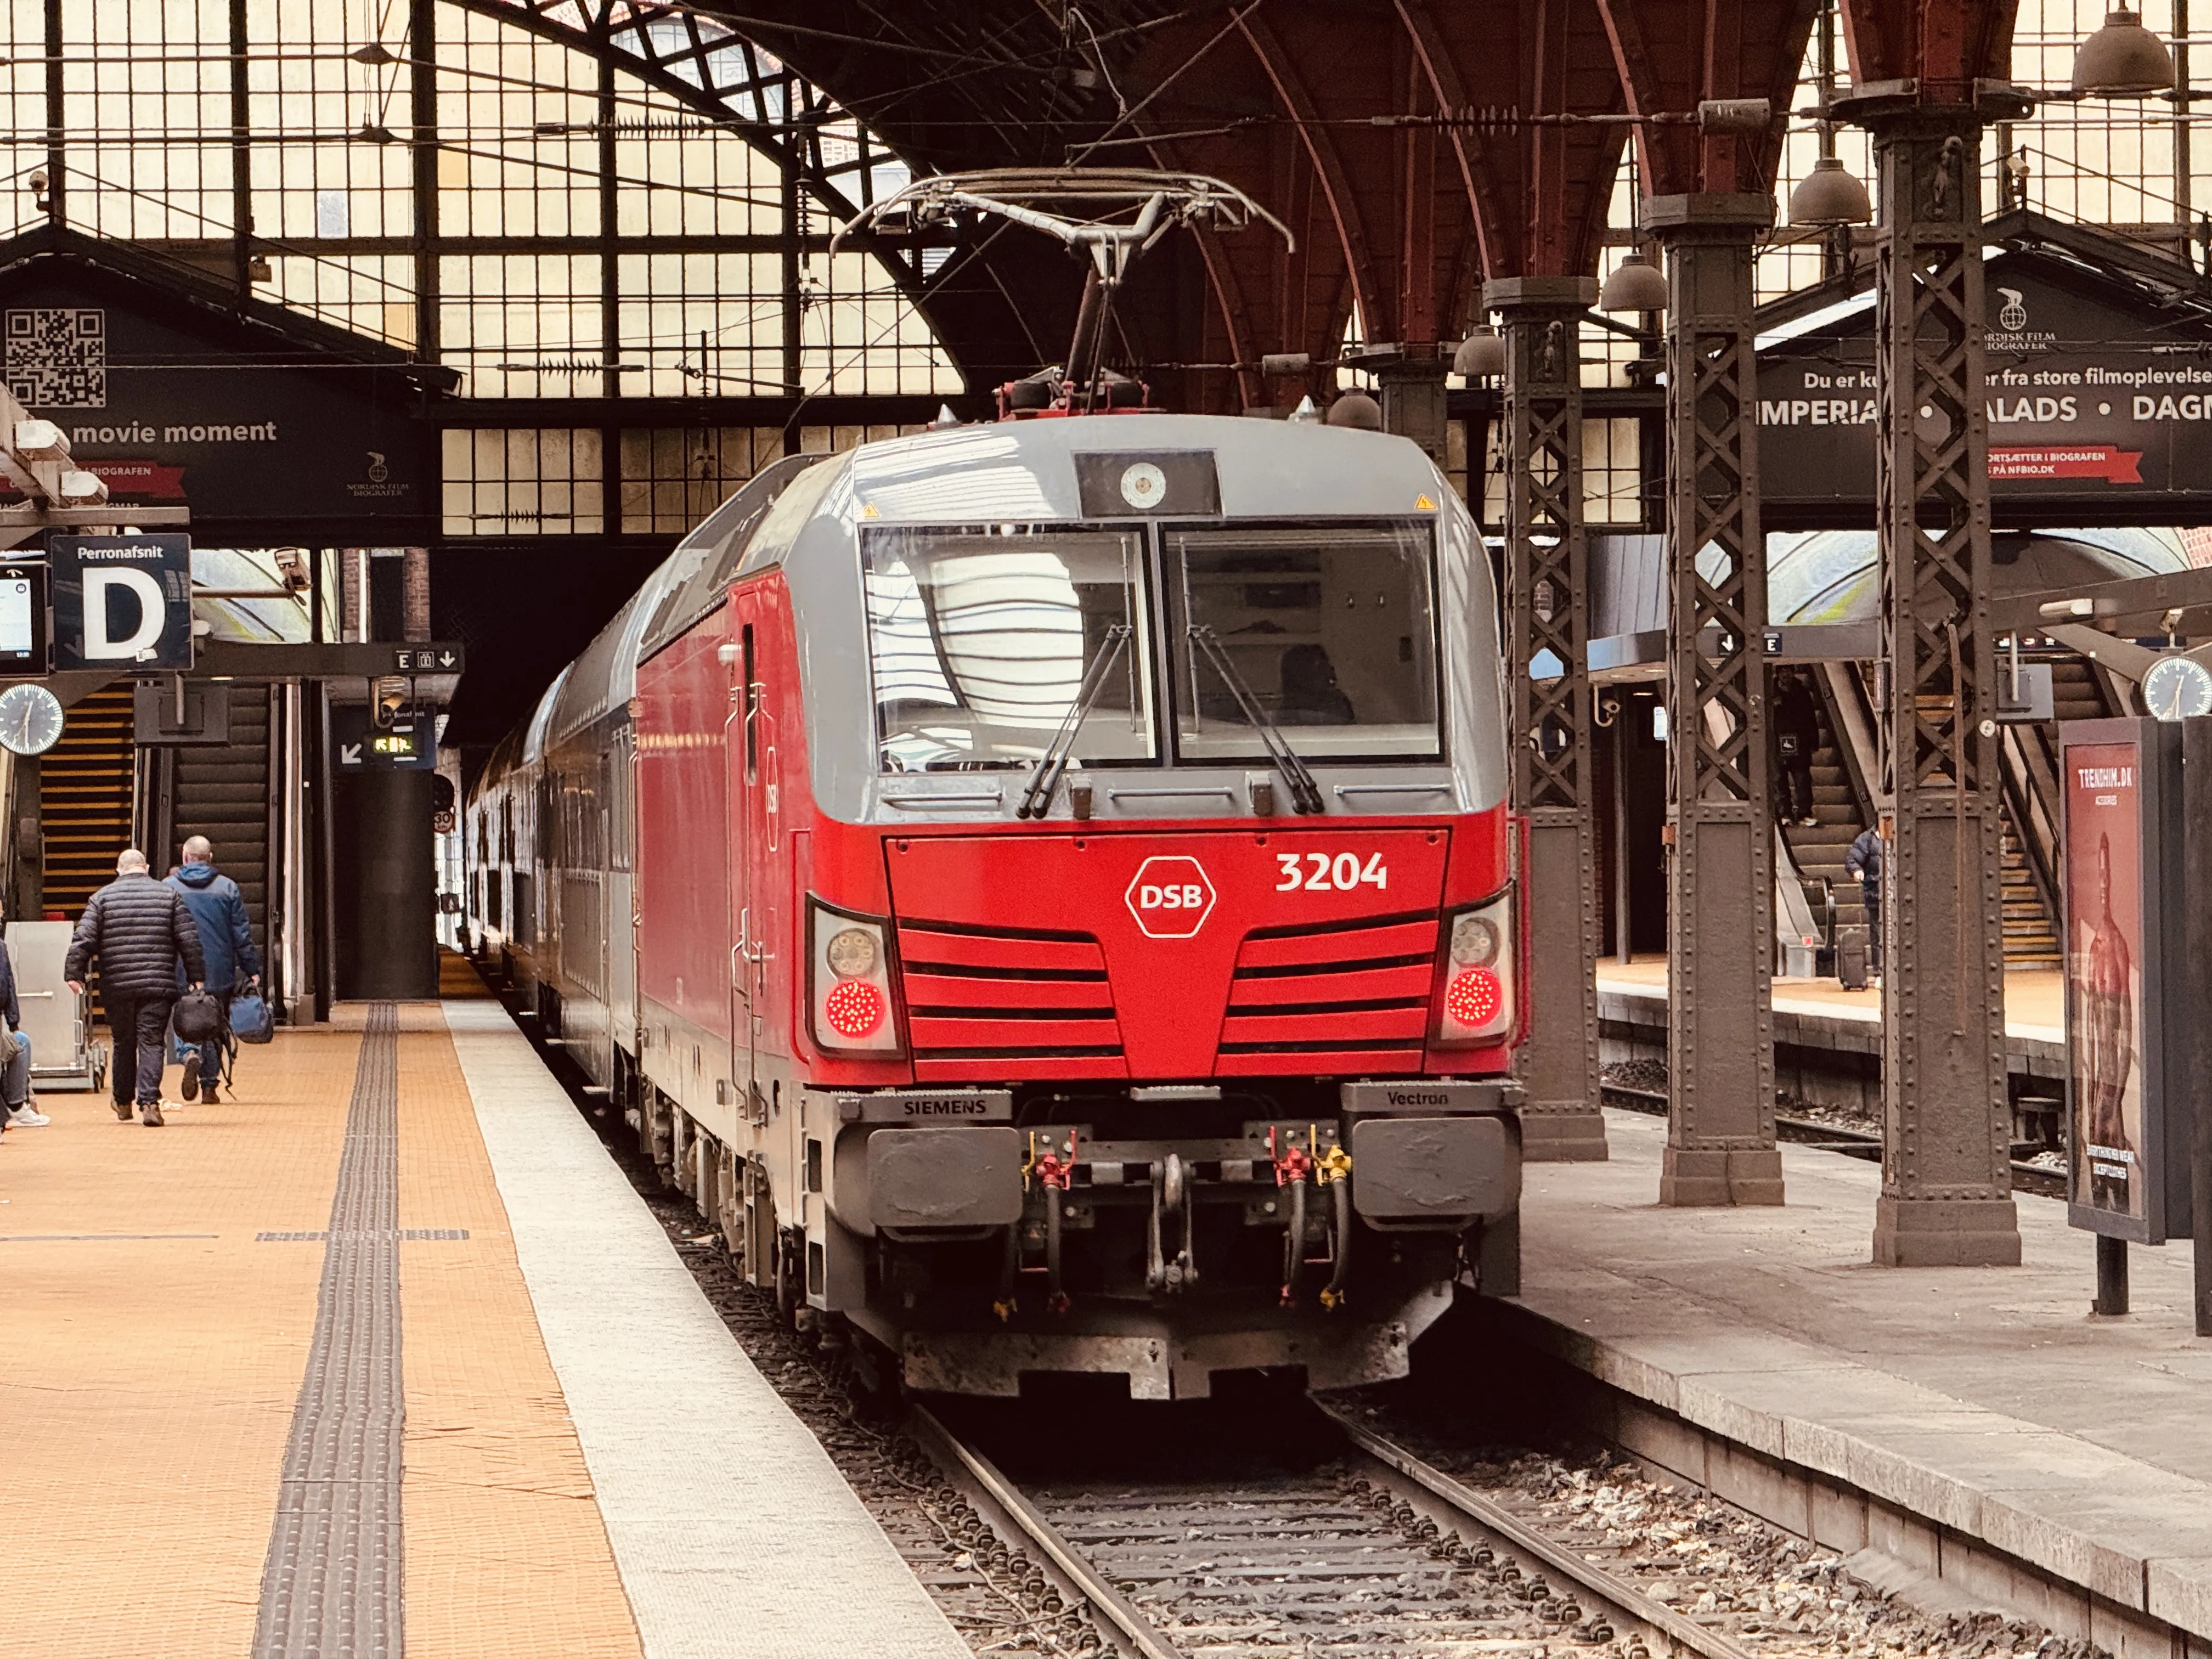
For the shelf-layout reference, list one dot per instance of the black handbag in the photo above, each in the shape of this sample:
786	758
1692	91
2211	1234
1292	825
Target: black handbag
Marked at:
196	1018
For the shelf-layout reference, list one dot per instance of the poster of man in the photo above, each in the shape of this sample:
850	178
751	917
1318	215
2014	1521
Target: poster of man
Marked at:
2103	974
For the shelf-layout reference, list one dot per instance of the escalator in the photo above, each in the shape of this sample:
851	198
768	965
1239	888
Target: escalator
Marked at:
85	799
223	793
2032	804
1820	849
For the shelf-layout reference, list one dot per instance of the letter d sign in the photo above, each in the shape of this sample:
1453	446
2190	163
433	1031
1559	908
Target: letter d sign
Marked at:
103	589
122	601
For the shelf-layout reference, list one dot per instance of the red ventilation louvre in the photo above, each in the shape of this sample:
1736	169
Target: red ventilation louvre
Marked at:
1352	995
1032	1003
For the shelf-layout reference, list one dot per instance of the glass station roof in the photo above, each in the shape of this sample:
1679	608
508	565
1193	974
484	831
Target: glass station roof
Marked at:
557	200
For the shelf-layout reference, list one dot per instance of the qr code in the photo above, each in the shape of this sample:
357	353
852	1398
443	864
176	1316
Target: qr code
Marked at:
57	357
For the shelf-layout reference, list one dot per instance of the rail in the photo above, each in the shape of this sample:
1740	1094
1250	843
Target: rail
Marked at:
1863	1144
1657	1620
1376	1463
1012	1513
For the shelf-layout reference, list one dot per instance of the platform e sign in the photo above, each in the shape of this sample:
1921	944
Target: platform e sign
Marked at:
1170	897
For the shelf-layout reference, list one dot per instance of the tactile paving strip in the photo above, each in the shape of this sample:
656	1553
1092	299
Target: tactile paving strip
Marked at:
331	1587
407	1236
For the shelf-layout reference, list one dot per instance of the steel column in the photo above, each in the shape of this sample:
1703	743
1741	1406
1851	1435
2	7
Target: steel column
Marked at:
1947	1176
1412	388
1720	917
1547	589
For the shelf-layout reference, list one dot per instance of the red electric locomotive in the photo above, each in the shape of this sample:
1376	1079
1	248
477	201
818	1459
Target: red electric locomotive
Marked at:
1045	889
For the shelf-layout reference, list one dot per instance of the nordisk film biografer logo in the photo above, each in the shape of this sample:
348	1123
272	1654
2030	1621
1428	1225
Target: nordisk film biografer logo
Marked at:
379	483
2012	332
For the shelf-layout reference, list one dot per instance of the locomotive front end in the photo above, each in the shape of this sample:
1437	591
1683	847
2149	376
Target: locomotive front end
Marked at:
1163	959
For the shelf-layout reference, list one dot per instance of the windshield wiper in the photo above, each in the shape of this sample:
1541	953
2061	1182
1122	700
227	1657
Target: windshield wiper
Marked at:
1037	799
1305	793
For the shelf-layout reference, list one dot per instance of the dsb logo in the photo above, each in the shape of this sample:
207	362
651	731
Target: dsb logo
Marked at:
1170	897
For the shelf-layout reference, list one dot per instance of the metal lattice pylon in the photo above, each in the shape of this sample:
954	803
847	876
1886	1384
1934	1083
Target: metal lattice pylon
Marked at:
1720	1141
1547	633
1947	1178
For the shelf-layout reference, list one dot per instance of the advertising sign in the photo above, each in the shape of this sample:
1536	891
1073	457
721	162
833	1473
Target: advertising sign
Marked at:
2089	397
284	432
122	602
2119	849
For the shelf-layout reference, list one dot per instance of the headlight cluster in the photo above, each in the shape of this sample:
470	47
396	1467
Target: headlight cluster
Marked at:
1477	977
851	982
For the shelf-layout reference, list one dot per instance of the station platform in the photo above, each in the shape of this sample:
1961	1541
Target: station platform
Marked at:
1976	1424
1827	1041
384	1353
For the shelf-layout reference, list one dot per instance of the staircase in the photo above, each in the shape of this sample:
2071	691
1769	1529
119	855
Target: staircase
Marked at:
2030	939
84	799
223	793
1821	849
2031	931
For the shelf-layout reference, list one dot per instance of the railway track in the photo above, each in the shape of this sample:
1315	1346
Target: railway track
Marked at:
1081	1528
1863	1144
1354	1544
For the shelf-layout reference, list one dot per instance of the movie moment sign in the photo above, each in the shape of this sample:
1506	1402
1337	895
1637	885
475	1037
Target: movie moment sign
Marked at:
2091	397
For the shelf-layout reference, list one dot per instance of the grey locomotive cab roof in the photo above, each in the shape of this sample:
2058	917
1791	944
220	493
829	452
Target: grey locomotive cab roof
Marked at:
1026	472
807	515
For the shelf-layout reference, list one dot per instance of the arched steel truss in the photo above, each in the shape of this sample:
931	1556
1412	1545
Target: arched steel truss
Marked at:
828	153
827	156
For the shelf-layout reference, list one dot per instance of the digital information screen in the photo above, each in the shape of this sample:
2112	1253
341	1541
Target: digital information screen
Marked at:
18	636
23	627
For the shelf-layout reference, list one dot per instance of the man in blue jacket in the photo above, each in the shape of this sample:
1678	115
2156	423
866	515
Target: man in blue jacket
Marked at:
226	937
1865	860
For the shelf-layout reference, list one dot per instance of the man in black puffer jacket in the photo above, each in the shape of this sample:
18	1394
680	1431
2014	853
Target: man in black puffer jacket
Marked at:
138	927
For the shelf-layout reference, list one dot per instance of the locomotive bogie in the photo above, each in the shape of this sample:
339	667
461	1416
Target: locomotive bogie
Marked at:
1050	935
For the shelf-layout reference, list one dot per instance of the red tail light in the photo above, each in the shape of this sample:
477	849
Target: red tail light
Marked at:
854	1008
1476	981
849	982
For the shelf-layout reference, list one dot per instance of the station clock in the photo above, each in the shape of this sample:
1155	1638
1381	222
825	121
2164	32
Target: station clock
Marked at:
30	718
2175	689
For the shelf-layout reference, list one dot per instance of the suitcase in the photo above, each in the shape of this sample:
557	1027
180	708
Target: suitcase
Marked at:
1852	963
64	1054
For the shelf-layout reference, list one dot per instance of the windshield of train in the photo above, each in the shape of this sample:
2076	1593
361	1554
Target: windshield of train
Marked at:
982	642
1329	631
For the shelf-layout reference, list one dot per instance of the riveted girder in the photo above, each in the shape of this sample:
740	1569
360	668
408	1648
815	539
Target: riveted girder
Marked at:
1547	647
1706	198
1946	1180
1720	1049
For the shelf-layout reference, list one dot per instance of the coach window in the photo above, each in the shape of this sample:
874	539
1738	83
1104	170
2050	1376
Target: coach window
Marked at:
1330	630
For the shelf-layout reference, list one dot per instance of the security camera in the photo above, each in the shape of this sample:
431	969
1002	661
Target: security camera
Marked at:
38	181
